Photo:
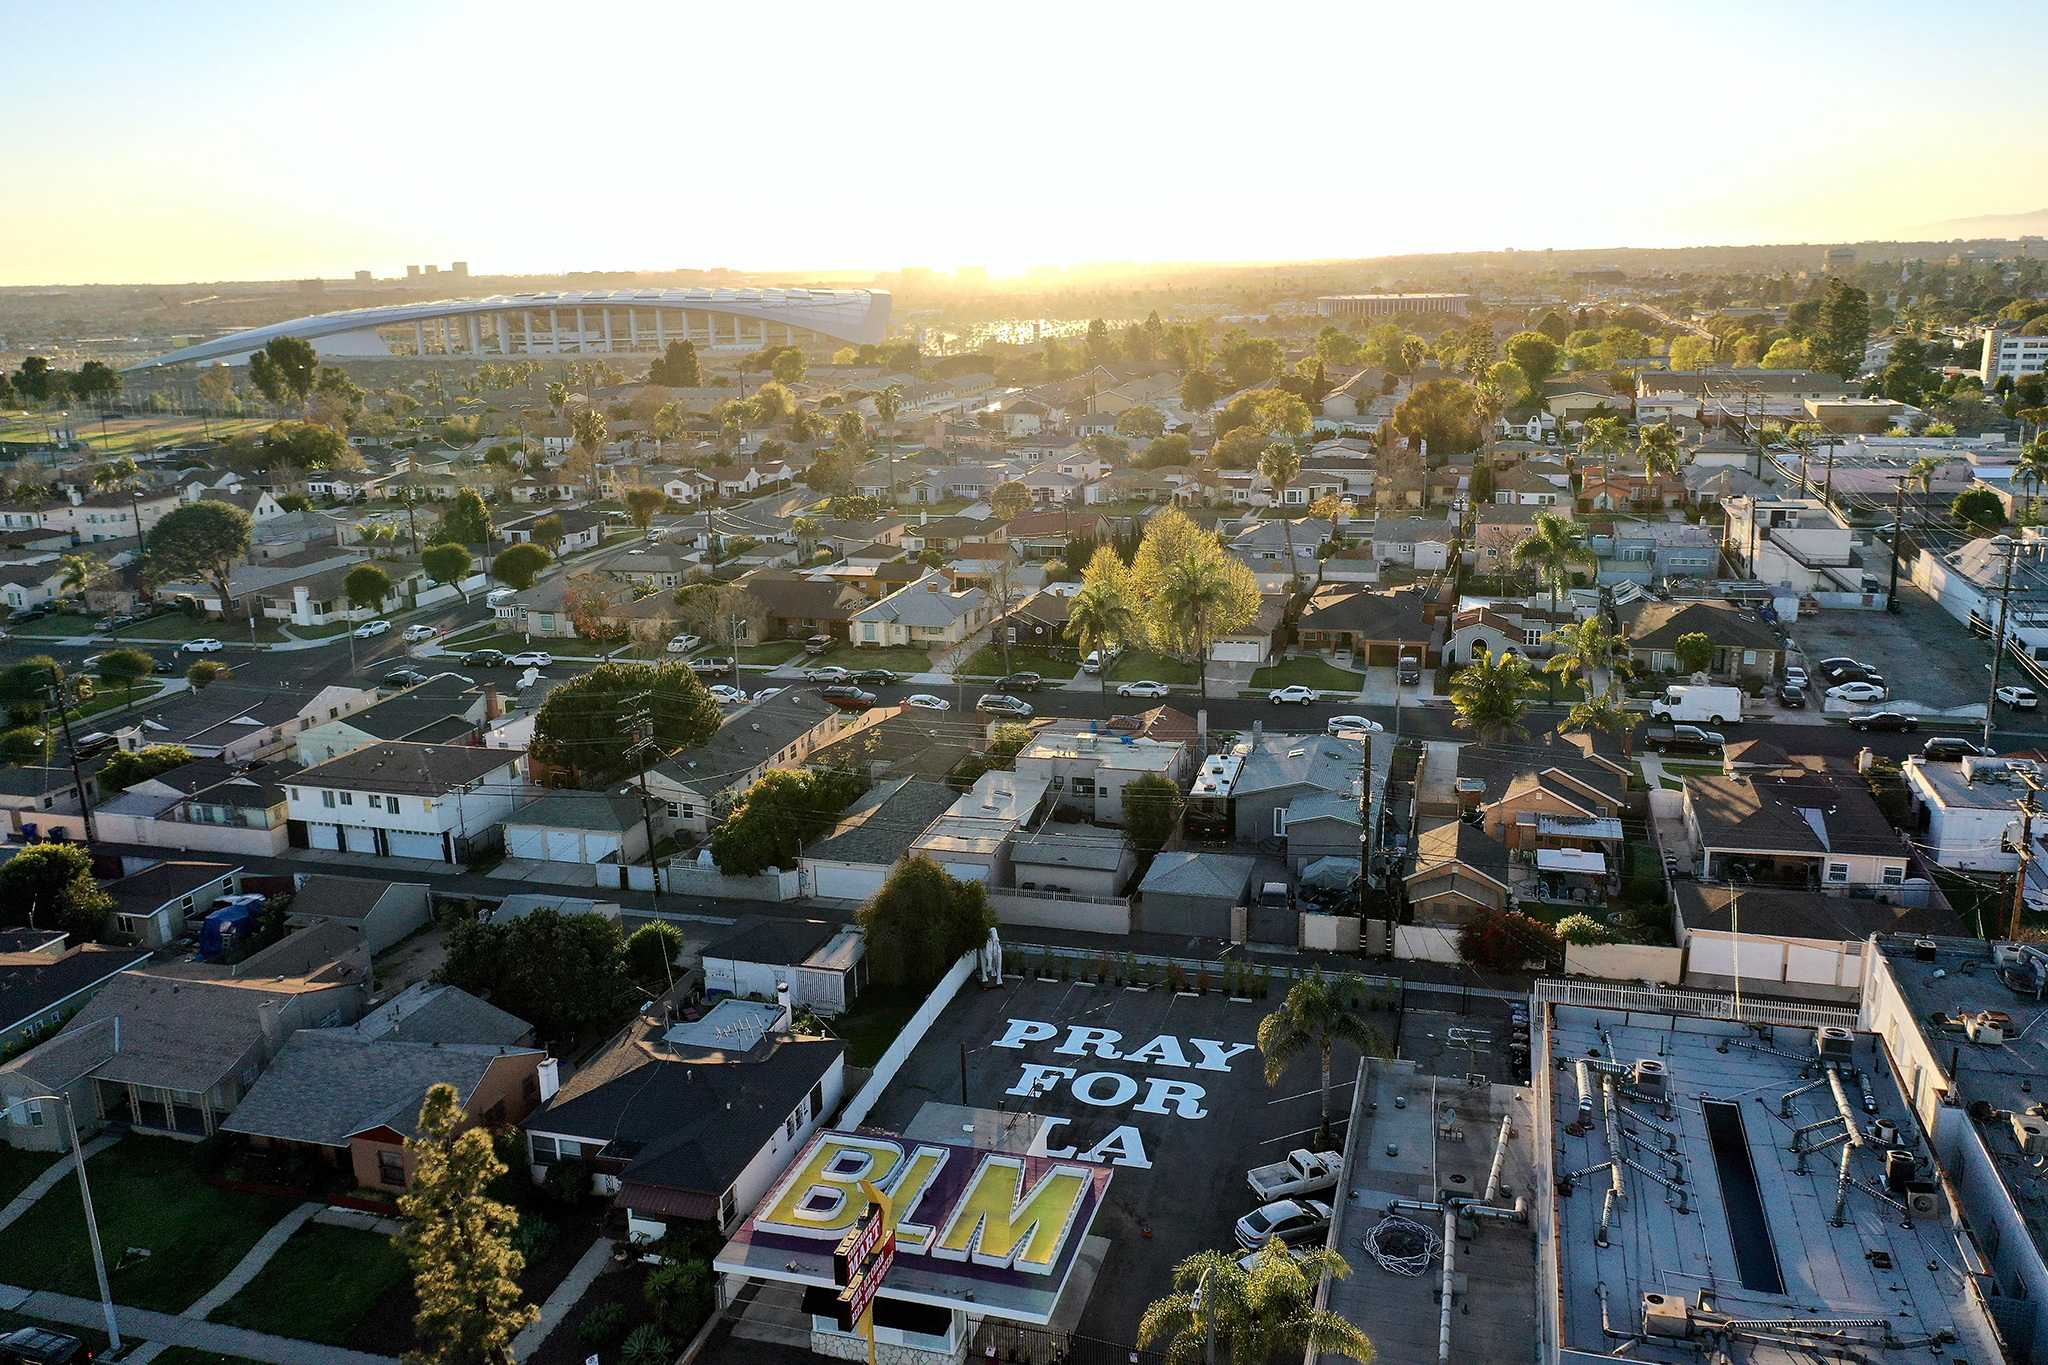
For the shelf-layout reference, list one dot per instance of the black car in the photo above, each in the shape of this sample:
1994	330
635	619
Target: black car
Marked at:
43	1346
167	665
485	658
1885	720
1950	749
1792	695
92	742
880	676
848	698
1020	682
404	677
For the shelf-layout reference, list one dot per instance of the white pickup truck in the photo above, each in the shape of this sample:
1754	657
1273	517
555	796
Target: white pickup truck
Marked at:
1303	1172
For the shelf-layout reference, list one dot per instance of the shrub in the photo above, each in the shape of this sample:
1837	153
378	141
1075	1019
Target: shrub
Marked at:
534	1238
679	1293
1506	942
602	1326
645	1345
652	951
1583	930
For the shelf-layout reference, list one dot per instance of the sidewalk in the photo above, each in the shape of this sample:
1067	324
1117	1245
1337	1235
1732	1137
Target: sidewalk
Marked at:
47	1181
140	1325
246	1269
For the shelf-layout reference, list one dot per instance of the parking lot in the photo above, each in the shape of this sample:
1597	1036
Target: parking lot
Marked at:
1168	1088
1924	653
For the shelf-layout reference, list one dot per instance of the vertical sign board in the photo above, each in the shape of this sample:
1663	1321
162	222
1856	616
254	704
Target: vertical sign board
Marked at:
861	1262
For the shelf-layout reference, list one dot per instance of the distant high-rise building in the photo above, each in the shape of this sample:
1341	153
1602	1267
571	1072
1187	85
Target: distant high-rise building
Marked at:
363	277
412	272
433	270
1838	258
460	269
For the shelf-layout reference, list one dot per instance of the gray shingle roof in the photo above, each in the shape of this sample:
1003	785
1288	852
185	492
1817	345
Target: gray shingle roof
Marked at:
327	1085
882	825
606	812
1198	874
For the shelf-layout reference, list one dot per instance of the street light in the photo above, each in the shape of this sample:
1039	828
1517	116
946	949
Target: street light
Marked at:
2007	546
92	1226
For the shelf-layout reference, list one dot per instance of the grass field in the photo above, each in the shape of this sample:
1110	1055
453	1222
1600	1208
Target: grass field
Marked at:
52	628
516	644
176	626
147	1195
902	660
774	652
18	1168
1140	664
988	663
127	435
320	1285
1309	673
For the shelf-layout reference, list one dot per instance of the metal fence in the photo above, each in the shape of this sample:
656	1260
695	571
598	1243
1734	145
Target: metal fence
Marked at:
1700	1004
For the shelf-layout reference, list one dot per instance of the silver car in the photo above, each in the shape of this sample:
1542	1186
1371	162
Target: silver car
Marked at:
1291	1220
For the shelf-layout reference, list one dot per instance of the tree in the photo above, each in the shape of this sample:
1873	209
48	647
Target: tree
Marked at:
920	922
781	812
1253	1312
1239	448
652	951
124	769
459	1241
1583	930
548	532
1142	420
888	403
284	370
1979	509
1105	614
564	974
643	503
79	574
467	520
519	565
97	382
677	368
584	724
1272	412
1535	355
1174	448
725	612
1695	652
789	365
1442	412
1692	352
591	430
448	563
1010	501
24	745
1787	353
50	886
1553	549
1200	390
1318	1013
1601	711
1200	597
1506	941
207	671
1584	649
1282	465
1152	807
200	541
366	587
124	668
1844	332
1491	696
1659	446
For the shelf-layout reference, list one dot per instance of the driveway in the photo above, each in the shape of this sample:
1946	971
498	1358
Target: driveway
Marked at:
1925	654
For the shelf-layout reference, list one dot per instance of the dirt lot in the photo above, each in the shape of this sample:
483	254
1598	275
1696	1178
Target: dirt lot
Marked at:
1924	653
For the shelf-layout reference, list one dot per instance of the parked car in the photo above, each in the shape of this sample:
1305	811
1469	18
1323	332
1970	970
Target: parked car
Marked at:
1147	688
1303	1172
531	658
995	703
878	676
925	701
1409	671
726	696
1020	682
167	665
819	644
1857	691
1795	676
1096	661
1292	693
683	644
1951	749
371	629
2019	698
767	692
43	1346
1885	720
717	663
415	634
1831	669
207	645
1340	724
830	673
847	697
1792	695
1291	1220
91	742
404	677
1684	739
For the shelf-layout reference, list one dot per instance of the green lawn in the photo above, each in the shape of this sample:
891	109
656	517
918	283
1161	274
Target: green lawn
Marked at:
320	1285
1140	664
900	659
878	1015
52	627
126	435
147	1195
176	626
1694	769
1309	672
18	1168
516	644
988	663
326	632
110	698
774	652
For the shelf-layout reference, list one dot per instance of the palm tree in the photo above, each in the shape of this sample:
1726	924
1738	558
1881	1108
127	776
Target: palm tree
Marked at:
1282	464
80	573
888	403
1492	696
1318	1013
1100	617
1658	444
1602	712
558	397
2034	469
667	426
1552	549
1923	470
1585	648
1253	1313
591	430
1195	596
1491	401
1603	435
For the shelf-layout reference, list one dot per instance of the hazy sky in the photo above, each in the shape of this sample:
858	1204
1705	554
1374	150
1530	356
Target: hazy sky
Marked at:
193	141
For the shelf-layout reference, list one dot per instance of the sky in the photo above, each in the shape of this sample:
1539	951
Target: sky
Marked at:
166	143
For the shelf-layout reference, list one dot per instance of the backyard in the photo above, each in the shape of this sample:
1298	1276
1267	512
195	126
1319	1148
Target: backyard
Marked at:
320	1286
169	1235
878	1015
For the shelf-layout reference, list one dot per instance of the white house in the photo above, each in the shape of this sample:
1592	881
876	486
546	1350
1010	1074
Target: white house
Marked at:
1968	810
440	802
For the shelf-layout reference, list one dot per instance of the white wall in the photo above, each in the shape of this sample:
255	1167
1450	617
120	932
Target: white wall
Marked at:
1789	962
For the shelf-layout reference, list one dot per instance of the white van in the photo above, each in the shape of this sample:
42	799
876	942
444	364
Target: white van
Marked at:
1699	705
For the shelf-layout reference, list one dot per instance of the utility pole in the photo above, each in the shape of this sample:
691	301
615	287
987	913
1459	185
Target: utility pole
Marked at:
2009	547
77	775
2028	810
1898	526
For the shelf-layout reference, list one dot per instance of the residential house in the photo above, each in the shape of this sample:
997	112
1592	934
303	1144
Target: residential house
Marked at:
821	962
1799	543
696	786
972	839
1608	488
211	805
1458	872
580	530
1072	860
1418	543
1262	545
441	802
1090	770
1793	942
1046	535
1743	648
1040	620
1278	768
382	911
579	827
1503	628
799	606
226	721
42	983
1966	812
36	800
1377	627
1823	831
168	900
1527	486
1497	528
951	535
445	709
1192	894
1324	825
1647	552
1259	639
853	859
925	615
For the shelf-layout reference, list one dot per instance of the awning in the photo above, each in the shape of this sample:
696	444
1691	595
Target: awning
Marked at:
1571	860
667	1203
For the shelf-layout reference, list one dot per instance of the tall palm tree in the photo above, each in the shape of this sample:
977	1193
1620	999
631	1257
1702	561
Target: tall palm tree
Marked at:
1282	464
1602	712
1658	444
667	426
1603	436
591	431
1492	696
1102	616
558	396
1553	549
805	529
888	403
1585	648
1492	401
1318	1013
79	573
1201	596
1923	470
1253	1312
2033	468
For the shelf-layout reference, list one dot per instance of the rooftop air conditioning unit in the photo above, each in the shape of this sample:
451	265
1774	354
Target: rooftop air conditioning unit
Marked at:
1923	1200
1984	1028
1652	1078
1666	1315
2031	1133
1834	1044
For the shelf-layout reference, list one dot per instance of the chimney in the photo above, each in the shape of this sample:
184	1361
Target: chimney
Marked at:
1258	733
550	1078
783	1016
270	1017
494	705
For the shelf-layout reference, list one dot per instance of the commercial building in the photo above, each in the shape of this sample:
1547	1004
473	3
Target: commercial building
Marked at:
2008	355
1390	305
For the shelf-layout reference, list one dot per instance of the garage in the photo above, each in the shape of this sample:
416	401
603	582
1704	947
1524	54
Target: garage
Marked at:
841	882
323	836
562	845
404	845
1237	652
578	827
359	838
525	843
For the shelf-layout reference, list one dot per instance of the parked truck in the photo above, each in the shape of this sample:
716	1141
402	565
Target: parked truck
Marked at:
1303	1172
1684	739
1698	703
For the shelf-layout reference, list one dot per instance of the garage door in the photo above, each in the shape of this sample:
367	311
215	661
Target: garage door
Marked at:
359	838
598	847
564	846
1235	652
323	836
848	883
414	845
524	843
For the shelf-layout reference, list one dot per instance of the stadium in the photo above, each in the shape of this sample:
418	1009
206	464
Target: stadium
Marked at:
583	322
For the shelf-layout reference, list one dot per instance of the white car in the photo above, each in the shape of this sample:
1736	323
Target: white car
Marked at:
415	634
830	673
1291	1220
1142	689
371	628
1339	724
2019	698
683	644
726	696
926	701
532	658
1795	676
1856	691
208	646
767	692
1295	693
